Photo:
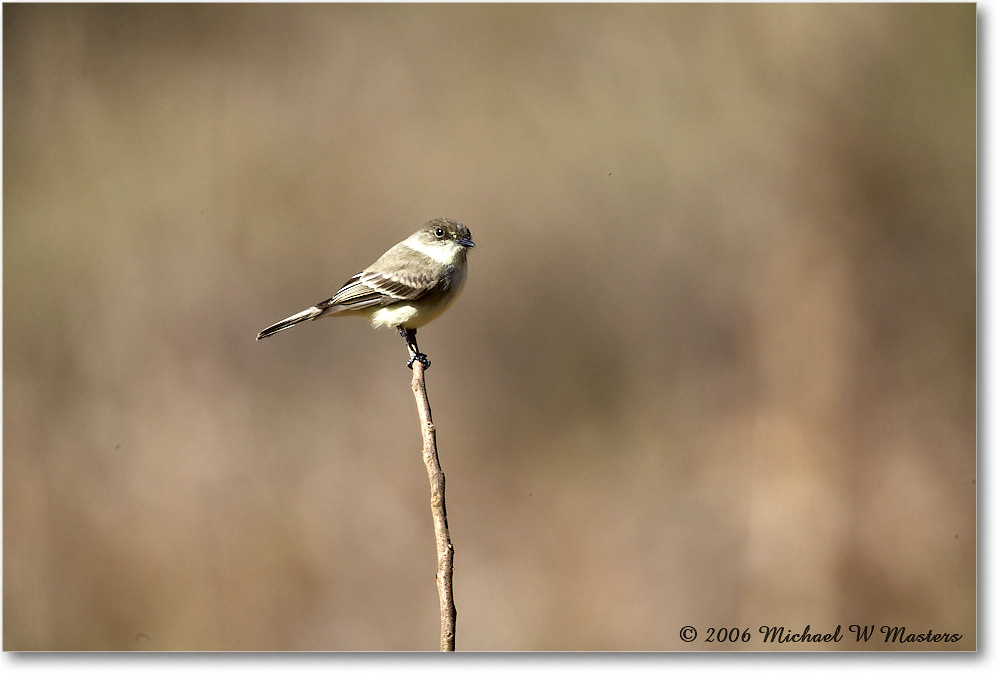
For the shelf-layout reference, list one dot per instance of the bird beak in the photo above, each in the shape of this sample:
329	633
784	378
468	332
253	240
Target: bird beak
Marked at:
468	243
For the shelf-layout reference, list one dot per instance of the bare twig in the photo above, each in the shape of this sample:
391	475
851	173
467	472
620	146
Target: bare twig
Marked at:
445	551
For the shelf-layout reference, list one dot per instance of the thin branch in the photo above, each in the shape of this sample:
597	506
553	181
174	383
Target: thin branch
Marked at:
445	551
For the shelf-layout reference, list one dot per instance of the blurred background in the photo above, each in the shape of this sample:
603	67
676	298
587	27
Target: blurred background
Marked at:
715	364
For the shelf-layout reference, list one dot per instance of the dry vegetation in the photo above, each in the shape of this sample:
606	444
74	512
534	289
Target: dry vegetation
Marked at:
715	363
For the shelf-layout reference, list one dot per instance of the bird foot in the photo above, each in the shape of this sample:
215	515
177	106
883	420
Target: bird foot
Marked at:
418	357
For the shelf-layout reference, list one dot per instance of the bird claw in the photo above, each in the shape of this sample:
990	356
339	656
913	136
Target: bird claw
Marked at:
418	357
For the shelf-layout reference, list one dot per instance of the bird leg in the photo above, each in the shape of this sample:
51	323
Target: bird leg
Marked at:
410	335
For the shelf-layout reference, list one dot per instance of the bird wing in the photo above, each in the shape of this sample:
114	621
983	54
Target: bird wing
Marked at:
367	288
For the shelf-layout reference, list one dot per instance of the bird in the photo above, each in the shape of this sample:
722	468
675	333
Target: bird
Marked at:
409	286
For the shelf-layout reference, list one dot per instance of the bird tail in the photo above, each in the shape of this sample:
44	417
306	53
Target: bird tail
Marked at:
304	315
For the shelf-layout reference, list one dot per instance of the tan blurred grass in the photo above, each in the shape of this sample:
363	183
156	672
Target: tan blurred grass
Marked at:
715	364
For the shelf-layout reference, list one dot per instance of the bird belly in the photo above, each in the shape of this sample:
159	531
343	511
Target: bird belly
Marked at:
399	314
419	312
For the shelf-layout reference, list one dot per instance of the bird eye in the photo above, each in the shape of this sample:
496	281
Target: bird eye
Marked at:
439	232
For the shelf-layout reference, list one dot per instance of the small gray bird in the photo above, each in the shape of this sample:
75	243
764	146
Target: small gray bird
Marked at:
410	285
